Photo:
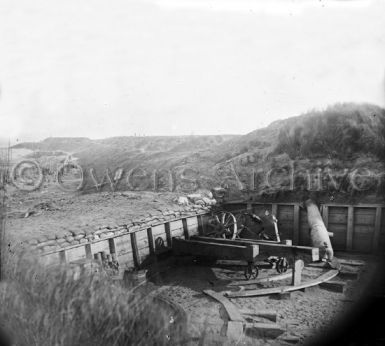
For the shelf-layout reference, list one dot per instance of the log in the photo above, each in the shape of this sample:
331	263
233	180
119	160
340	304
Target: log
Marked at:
279	290
217	250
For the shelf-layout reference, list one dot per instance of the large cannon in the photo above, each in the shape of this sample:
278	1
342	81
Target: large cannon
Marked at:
319	235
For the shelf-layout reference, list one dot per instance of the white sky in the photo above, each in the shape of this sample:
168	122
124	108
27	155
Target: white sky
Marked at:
167	67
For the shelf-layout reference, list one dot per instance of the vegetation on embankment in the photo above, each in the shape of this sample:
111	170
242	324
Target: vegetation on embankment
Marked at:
45	306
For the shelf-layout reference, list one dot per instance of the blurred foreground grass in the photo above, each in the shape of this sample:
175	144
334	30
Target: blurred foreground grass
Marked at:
45	306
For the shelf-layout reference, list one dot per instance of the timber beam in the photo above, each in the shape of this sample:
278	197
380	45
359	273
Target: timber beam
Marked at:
306	253
221	251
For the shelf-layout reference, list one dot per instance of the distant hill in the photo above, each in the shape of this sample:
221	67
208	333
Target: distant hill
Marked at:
343	142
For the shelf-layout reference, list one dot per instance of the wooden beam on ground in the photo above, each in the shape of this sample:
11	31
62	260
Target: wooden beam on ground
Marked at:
280	290
283	276
309	254
264	330
231	310
268	314
335	286
217	250
351	262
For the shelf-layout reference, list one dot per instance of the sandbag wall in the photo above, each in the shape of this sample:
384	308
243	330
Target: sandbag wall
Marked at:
132	246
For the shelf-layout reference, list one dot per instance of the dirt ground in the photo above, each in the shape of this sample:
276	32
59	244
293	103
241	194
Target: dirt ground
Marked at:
52	211
305	316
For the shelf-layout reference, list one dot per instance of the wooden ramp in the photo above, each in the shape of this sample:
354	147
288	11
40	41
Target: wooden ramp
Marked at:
283	289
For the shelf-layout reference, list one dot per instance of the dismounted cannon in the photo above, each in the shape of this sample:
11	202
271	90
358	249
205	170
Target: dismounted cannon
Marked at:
318	233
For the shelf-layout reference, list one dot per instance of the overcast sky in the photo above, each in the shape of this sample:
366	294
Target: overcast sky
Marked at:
109	68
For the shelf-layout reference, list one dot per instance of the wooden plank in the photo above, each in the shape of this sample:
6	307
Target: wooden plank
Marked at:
273	278
232	311
269	248
185	228
283	289
268	314
377	229
63	256
296	225
351	262
217	250
349	232
335	286
135	251
75	253
264	330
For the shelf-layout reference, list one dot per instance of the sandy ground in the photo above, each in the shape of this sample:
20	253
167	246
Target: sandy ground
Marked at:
306	315
52	211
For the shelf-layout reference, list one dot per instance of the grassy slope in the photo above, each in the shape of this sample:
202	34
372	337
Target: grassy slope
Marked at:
342	136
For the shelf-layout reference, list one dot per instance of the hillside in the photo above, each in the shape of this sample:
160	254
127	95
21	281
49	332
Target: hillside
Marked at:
339	151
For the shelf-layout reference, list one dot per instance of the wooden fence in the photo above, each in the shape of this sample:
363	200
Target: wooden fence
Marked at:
132	248
358	227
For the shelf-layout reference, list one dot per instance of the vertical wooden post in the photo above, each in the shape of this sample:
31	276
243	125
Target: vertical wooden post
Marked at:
249	207
297	272
168	234
296	225
135	251
111	244
63	256
349	233
185	229
377	227
150	241
88	251
200	225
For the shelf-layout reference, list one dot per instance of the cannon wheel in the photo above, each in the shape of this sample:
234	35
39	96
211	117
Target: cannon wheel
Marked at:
282	265
251	271
229	224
